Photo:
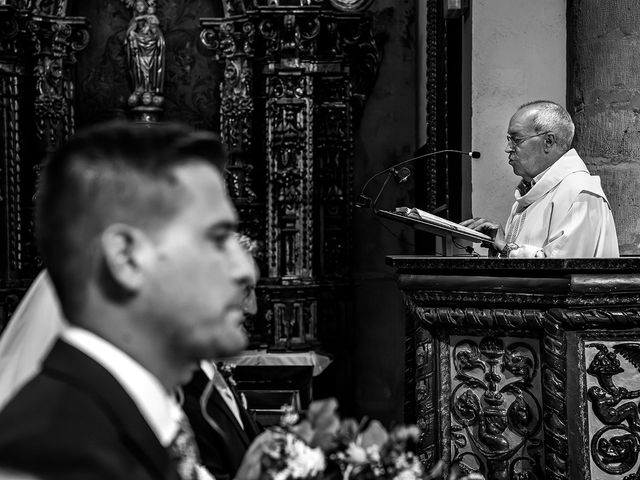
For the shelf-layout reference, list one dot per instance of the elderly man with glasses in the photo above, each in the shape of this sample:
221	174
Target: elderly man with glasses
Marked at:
560	210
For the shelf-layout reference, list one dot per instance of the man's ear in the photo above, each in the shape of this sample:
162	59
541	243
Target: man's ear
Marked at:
549	140
127	252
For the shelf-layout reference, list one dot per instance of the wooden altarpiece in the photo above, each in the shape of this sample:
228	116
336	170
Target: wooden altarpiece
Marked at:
38	43
296	75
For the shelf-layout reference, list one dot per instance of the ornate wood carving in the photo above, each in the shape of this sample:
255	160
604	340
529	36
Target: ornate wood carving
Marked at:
38	44
12	74
496	415
612	408
433	45
554	386
55	42
306	68
579	337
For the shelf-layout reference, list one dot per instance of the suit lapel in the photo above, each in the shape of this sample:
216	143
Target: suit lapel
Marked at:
250	426
66	361
217	402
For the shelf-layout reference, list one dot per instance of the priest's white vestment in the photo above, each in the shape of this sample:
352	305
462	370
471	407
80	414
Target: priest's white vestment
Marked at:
564	214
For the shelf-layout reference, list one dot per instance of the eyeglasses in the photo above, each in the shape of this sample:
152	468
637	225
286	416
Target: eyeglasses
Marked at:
516	142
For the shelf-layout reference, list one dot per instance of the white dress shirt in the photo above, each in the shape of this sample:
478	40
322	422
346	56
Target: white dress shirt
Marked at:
159	408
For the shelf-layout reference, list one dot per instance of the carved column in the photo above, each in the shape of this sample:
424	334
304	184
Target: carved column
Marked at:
37	50
12	84
296	76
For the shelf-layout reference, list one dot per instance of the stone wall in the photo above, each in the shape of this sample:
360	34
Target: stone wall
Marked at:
517	54
604	99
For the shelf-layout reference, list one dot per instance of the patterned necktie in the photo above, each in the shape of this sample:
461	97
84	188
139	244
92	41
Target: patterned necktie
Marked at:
185	454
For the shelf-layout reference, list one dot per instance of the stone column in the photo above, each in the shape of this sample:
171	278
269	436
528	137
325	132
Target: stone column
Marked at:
603	59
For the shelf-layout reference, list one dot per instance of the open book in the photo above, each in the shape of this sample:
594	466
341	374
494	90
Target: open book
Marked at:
434	224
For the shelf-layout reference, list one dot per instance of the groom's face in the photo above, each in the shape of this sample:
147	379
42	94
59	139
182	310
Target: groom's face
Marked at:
200	271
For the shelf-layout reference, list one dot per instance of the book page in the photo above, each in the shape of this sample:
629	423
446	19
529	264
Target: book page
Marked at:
434	219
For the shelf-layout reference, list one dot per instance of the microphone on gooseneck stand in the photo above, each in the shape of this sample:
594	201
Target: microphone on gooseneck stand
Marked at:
400	175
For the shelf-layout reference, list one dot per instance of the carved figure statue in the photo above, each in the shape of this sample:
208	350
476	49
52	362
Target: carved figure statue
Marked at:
491	432
622	449
604	406
518	364
145	48
604	366
520	416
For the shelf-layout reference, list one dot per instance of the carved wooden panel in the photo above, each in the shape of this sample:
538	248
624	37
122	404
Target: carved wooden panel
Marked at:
495	408
610	381
525	376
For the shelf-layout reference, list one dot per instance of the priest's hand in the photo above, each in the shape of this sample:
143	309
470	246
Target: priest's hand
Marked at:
492	229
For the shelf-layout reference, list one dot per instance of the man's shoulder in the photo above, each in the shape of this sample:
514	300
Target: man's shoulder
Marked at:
577	182
66	415
49	415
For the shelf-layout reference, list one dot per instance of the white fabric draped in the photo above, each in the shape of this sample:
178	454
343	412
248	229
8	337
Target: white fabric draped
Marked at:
32	331
565	214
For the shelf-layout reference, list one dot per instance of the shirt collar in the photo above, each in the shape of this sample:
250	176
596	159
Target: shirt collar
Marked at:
159	408
537	178
209	368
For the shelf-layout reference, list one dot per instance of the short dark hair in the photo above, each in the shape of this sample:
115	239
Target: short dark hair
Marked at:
112	172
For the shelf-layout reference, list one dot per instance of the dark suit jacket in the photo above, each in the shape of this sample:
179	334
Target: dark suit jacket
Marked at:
75	421
223	446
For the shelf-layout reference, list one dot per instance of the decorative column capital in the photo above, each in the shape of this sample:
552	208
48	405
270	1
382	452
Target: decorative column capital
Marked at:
58	37
229	38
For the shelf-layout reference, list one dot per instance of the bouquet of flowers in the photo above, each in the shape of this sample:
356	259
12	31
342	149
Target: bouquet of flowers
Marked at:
324	447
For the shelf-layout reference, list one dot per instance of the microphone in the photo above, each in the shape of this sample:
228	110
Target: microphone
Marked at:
400	175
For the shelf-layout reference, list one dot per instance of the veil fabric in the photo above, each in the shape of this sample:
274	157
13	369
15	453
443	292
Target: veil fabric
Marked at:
30	334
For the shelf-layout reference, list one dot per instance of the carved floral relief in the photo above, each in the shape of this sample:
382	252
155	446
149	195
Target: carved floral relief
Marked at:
496	415
612	386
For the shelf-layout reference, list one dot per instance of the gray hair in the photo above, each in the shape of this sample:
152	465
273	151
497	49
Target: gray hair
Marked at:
551	116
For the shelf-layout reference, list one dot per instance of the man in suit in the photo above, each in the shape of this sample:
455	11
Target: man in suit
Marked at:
222	426
136	230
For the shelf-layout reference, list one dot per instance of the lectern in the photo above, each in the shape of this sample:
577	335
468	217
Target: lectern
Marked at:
525	368
441	227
